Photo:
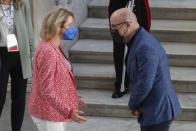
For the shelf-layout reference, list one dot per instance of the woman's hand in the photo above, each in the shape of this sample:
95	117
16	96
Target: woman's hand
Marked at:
75	116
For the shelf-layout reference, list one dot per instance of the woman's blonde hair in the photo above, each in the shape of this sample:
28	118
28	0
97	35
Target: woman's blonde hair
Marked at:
17	3
53	22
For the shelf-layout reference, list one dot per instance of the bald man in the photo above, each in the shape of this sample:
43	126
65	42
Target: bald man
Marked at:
142	11
152	98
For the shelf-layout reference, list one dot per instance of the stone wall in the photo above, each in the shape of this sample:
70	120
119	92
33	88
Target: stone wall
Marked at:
41	7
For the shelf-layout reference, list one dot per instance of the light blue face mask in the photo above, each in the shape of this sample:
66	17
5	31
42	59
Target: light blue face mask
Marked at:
70	33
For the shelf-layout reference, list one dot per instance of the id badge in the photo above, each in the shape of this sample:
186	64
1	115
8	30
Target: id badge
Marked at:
12	43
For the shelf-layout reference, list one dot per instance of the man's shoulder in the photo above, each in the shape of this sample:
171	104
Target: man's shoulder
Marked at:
145	35
147	40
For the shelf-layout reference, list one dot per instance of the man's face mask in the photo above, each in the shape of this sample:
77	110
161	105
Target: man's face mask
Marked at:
116	36
70	33
115	33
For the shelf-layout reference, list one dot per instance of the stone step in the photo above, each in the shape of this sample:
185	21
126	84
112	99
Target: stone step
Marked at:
101	51
100	103
124	124
107	123
160	9
163	30
102	76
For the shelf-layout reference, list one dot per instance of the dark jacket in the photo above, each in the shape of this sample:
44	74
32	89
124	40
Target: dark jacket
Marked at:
148	70
141	11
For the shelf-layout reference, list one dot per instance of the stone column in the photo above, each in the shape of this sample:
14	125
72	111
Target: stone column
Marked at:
39	10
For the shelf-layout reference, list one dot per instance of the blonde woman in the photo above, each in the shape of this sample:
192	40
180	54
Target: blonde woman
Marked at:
16	50
53	99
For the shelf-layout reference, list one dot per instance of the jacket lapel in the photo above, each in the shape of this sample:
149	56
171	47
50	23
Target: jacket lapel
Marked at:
131	58
67	59
62	59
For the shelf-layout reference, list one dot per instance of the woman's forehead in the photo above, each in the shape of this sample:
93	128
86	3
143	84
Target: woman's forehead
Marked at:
70	20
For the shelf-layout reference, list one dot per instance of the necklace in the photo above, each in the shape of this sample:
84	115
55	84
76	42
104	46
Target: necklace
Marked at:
8	13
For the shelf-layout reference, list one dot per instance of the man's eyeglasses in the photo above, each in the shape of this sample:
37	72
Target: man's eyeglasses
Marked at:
115	25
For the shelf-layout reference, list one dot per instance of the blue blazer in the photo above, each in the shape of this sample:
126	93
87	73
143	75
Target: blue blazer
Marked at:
152	91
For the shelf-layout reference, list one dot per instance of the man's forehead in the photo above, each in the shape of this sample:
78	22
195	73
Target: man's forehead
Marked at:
115	20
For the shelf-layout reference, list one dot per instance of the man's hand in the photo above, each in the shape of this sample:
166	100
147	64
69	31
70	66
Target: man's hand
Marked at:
75	116
136	113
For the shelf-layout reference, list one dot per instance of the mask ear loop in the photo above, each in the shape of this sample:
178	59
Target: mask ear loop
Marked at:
127	28
124	34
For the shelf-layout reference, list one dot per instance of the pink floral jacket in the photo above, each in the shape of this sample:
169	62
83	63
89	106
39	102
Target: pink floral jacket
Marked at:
53	95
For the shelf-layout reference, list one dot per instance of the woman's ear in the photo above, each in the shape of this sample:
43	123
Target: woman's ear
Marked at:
62	30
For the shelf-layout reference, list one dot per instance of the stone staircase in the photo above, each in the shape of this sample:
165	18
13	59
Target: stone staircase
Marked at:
173	25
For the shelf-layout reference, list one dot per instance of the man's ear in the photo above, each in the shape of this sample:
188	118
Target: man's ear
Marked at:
128	24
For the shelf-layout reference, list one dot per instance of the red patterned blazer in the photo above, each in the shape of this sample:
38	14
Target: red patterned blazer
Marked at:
53	94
